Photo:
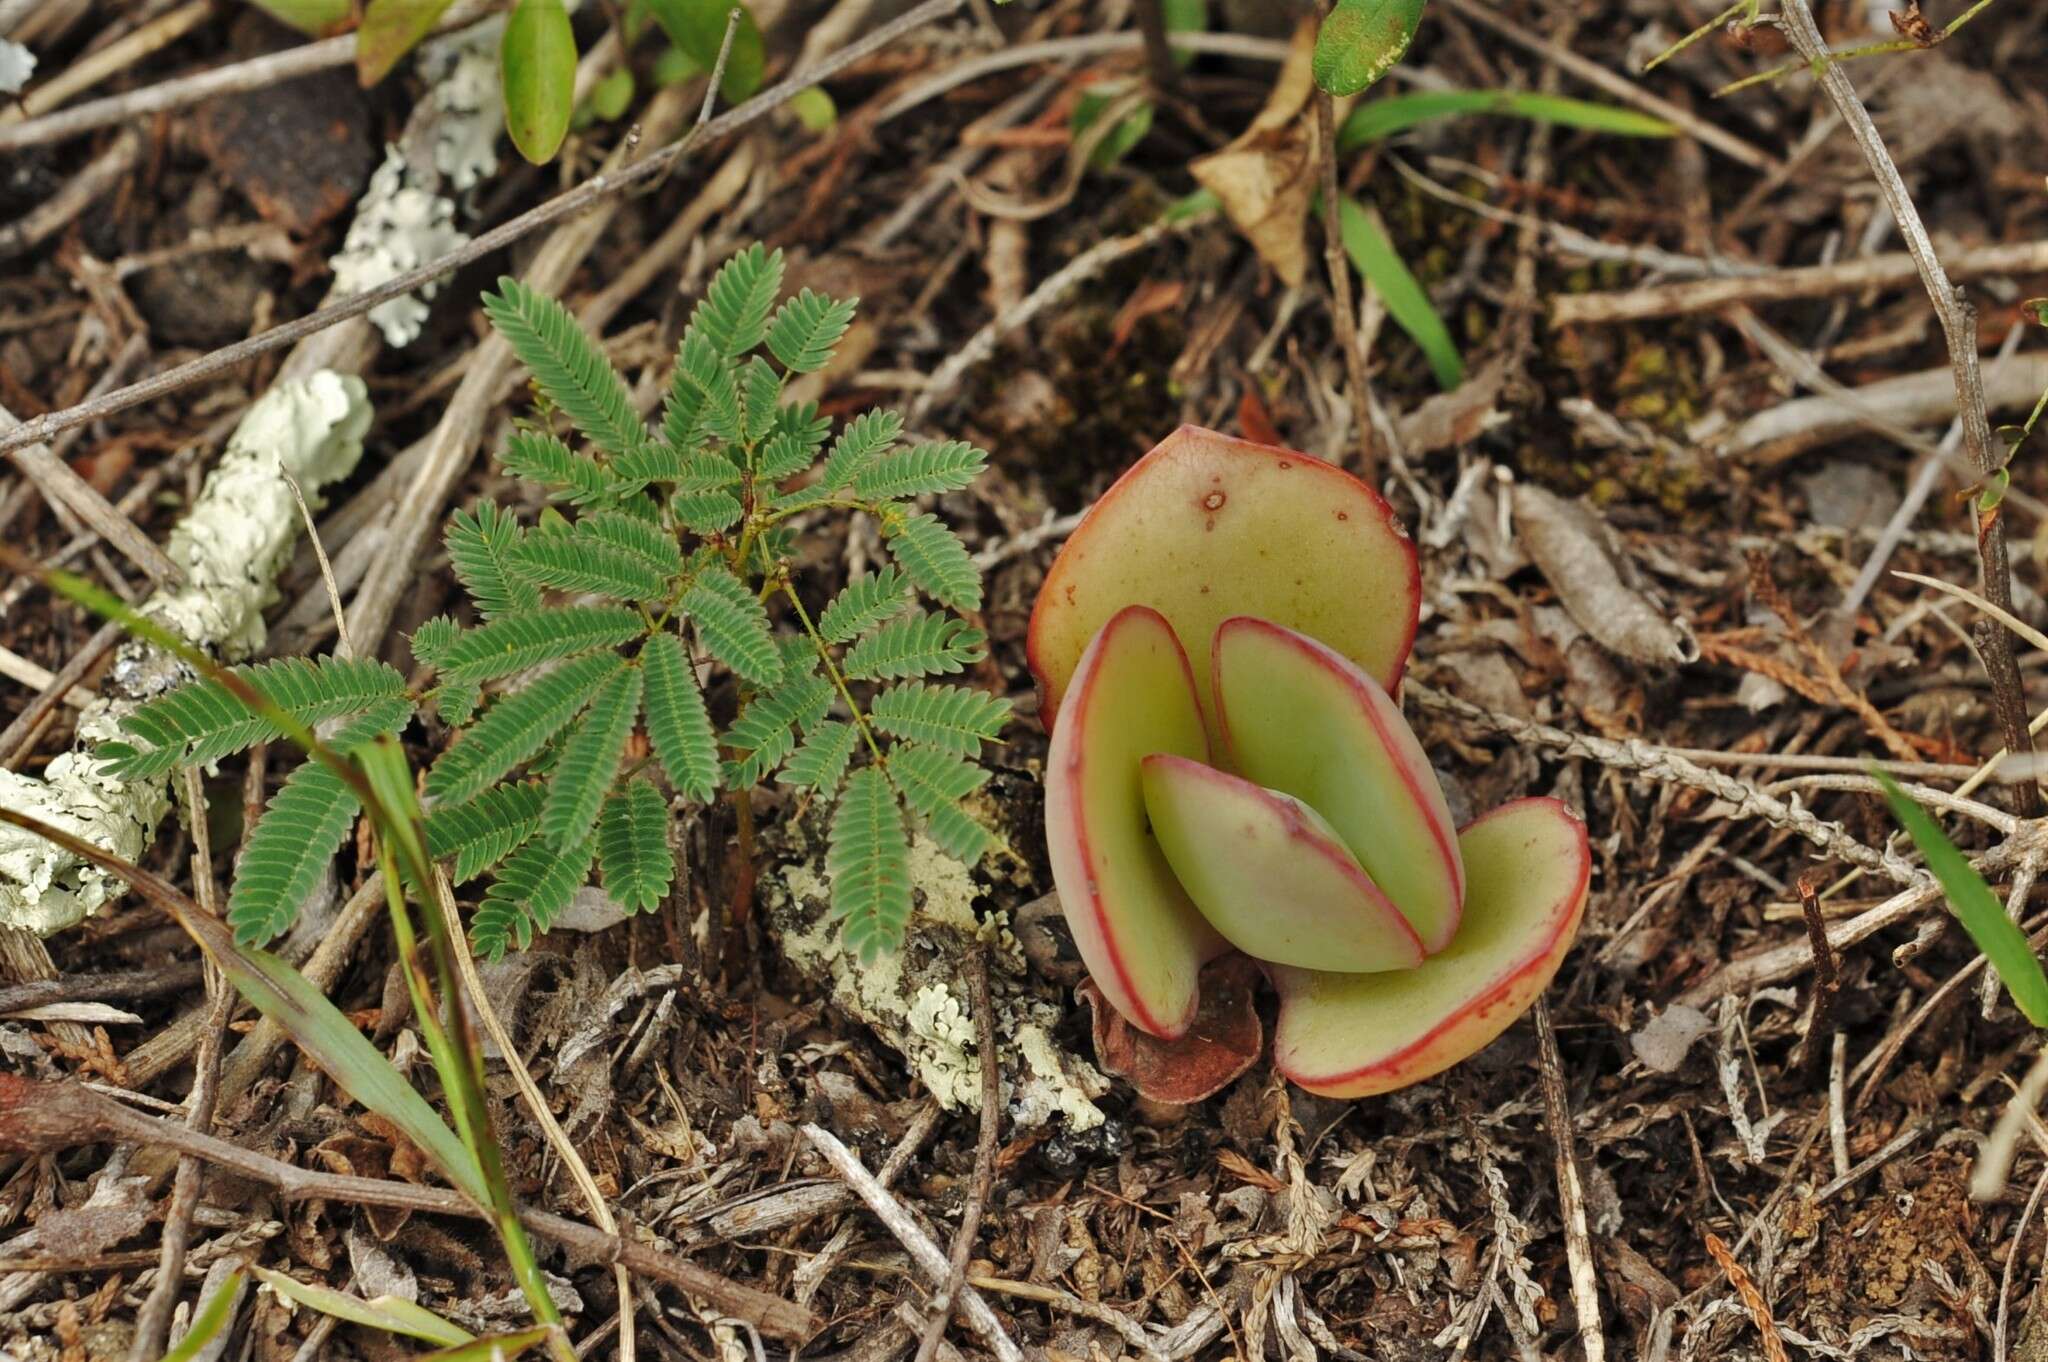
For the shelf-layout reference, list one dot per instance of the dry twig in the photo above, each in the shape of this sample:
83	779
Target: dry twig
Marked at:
1571	1193
915	1241
40	1117
1807	281
1959	327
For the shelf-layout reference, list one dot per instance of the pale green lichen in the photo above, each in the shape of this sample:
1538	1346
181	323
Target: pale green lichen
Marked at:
915	999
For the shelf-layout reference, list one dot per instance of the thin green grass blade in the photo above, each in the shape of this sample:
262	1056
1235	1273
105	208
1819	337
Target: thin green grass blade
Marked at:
212	1316
492	1348
392	1314
1974	905
1382	118
1407	303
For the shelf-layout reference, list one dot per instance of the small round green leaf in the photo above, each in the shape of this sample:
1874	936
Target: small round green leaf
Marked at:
538	64
1360	42
612	96
697	28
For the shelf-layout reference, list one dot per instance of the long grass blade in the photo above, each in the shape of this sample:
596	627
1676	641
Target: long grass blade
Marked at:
392	1314
1975	906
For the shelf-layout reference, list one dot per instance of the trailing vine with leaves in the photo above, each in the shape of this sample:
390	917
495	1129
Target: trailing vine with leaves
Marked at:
644	587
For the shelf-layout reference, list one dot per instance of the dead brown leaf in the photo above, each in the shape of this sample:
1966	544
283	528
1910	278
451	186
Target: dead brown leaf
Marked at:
1265	178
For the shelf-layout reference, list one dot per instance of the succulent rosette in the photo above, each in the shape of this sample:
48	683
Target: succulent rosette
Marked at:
1217	650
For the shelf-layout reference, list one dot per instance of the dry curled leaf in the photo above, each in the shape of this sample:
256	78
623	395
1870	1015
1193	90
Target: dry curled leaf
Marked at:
1225	1040
1570	546
1266	178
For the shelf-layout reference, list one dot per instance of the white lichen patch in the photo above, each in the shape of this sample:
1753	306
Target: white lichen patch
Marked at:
404	218
231	546
398	226
17	64
918	1000
470	100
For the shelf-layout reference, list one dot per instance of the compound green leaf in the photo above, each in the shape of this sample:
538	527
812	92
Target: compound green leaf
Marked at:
530	892
518	725
677	723
918	644
805	329
540	457
865	602
733	624
514	643
956	718
567	364
820	761
480	544
483	831
936	466
931	555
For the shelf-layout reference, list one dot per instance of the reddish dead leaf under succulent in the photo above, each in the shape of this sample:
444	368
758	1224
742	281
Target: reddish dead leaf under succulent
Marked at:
1230	777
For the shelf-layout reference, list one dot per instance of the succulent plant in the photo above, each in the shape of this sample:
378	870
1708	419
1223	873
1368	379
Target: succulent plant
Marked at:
1217	648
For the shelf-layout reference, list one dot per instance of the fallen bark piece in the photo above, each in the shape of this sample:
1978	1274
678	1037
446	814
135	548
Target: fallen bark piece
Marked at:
230	547
1568	545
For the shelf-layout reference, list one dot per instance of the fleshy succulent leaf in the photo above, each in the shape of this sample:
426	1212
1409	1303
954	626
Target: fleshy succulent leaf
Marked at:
1143	940
1353	1035
1205	527
1300	718
1269	874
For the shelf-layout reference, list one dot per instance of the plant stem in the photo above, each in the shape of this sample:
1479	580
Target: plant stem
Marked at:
461	1076
1959	328
824	649
1340	285
1158	53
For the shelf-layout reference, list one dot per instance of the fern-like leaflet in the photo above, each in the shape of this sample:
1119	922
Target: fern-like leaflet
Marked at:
632	847
869	864
198	724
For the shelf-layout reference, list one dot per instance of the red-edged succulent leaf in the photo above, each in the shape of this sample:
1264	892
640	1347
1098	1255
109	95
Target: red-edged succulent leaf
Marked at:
1205	527
1301	718
1224	1040
1353	1035
1269	873
1143	941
